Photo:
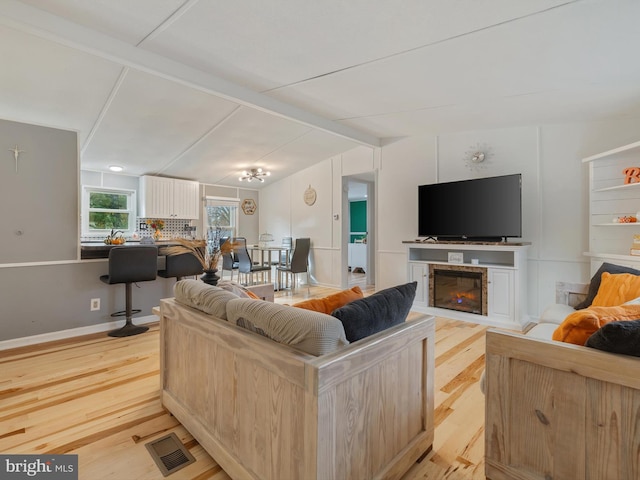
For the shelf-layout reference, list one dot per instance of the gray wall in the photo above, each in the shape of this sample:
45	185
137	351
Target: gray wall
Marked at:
40	200
48	298
38	294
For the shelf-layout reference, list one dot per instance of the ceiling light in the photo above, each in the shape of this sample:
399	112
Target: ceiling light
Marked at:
115	168
256	173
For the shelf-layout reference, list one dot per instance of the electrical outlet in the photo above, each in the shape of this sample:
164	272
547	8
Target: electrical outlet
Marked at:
95	304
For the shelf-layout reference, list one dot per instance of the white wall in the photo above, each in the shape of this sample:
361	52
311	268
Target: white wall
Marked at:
555	206
283	211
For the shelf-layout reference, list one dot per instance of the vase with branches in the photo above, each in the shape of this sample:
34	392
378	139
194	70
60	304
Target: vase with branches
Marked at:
208	251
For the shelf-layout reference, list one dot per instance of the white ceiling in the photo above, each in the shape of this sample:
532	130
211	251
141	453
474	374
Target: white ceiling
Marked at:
204	89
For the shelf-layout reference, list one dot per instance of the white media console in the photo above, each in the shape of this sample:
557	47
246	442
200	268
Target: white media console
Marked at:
501	266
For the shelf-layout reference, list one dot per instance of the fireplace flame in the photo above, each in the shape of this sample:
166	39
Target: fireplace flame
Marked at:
460	297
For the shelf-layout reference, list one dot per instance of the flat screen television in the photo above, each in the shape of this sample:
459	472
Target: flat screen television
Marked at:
482	209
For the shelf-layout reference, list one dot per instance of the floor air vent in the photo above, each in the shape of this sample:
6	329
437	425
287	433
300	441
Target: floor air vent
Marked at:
169	454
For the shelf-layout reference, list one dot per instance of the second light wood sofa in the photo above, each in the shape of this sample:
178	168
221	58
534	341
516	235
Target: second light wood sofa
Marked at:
265	410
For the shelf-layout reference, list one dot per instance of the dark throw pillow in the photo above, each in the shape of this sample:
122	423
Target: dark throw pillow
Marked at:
594	285
617	337
376	312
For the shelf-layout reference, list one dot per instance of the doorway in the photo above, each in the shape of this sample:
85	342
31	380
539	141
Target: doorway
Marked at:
358	232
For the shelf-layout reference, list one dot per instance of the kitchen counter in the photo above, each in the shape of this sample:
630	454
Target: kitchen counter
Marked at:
99	249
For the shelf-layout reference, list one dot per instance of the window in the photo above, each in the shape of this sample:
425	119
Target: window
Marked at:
104	209
223	214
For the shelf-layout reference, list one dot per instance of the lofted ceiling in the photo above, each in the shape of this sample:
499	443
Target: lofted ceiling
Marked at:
203	89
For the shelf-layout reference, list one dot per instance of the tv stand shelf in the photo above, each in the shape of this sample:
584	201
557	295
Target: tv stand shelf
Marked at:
506	268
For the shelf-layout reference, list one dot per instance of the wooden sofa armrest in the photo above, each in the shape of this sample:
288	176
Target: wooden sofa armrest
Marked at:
556	410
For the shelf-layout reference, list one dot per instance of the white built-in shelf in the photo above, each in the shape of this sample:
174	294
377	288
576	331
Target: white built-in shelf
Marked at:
617	187
613	224
608	153
613	256
608	242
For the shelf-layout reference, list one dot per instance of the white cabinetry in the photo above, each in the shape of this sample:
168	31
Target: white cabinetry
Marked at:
500	288
162	197
610	198
505	265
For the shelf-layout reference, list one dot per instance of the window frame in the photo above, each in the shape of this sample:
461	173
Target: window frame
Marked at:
222	202
87	190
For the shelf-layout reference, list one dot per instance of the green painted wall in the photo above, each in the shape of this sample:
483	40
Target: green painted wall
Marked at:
358	218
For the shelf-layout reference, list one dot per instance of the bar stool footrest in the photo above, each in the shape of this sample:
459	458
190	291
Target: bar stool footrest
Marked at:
123	313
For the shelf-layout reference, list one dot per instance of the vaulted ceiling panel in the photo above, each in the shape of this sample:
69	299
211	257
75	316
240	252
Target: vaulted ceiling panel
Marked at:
582	103
264	45
510	60
304	151
150	122
242	141
48	84
126	20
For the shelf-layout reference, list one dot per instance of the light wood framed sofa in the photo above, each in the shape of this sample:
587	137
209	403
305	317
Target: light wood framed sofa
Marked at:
265	410
557	411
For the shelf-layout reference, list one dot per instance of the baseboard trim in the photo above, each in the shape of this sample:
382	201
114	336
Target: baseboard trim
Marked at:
70	333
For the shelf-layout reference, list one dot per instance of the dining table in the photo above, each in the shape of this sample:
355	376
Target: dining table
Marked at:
264	254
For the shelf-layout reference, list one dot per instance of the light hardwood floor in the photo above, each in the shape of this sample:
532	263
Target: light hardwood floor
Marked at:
98	397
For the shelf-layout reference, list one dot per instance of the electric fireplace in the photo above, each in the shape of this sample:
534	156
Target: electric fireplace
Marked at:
458	288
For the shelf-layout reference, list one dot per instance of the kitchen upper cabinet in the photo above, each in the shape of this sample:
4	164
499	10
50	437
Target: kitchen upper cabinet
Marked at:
162	197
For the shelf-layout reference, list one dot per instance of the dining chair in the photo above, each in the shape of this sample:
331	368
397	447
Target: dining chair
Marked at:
229	260
248	268
299	263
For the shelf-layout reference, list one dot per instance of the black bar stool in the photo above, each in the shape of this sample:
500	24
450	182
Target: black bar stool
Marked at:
130	265
183	265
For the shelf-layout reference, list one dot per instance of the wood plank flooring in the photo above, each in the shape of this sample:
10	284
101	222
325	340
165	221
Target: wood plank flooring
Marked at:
98	397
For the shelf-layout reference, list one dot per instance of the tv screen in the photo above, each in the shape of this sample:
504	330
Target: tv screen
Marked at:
481	209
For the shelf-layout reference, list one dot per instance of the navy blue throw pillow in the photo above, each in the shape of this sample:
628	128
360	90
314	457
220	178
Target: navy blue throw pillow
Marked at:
377	312
617	337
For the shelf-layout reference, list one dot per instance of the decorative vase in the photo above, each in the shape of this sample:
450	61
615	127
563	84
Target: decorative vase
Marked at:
157	235
210	277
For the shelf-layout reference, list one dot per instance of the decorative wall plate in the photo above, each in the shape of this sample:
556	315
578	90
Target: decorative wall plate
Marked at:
248	206
310	196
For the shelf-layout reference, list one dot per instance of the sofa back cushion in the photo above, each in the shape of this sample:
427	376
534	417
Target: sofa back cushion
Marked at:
616	289
204	297
377	312
594	285
312	332
329	303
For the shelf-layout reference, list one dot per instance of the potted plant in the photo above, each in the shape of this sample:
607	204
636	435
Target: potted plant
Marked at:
208	251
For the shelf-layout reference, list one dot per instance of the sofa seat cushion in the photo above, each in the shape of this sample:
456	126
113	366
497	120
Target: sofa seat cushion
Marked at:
329	303
556	313
312	332
581	324
207	298
377	312
543	331
617	337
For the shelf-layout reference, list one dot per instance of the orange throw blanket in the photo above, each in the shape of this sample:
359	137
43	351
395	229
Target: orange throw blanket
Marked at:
581	324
